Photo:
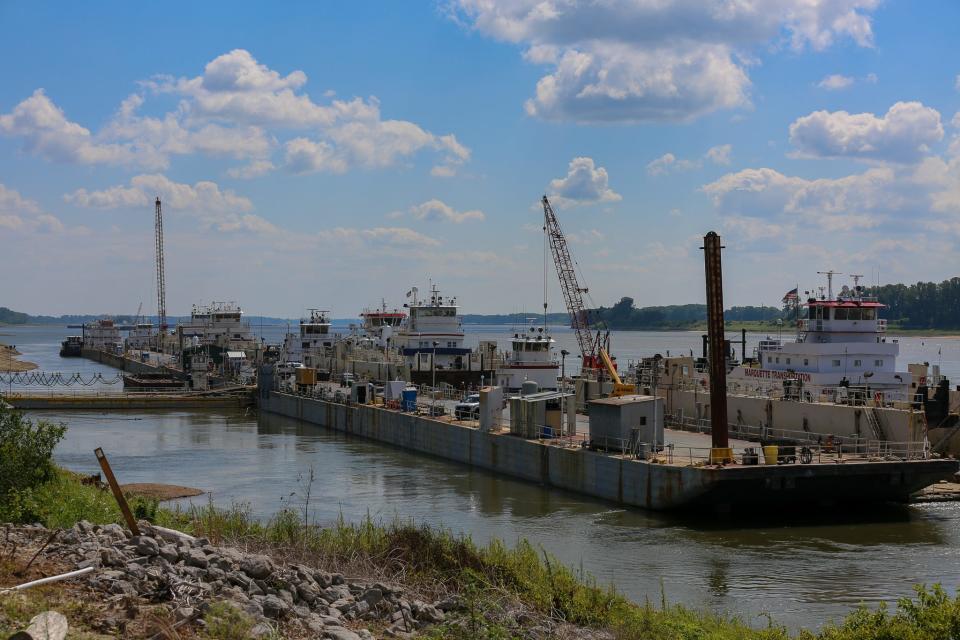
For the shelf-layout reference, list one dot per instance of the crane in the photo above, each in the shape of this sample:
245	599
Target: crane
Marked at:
161	277
594	347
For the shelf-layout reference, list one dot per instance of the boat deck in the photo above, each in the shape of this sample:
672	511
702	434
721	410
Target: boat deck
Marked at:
681	448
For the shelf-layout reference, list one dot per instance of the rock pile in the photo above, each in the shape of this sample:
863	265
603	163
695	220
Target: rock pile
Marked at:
190	573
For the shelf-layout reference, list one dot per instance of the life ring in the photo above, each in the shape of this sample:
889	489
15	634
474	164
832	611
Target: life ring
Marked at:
922	380
878	397
703	382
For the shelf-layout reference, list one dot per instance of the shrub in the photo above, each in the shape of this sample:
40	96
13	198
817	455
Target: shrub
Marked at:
26	453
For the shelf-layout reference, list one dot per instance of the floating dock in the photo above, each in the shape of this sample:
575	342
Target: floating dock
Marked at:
684	480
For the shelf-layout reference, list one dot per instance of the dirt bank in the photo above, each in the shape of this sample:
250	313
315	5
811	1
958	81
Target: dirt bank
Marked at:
9	361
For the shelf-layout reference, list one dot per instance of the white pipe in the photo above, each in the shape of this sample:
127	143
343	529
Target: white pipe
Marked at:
62	576
165	532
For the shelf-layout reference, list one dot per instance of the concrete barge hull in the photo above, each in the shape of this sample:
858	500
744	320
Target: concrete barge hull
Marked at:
622	480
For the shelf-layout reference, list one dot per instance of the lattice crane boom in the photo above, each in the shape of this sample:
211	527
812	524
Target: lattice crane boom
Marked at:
161	277
590	344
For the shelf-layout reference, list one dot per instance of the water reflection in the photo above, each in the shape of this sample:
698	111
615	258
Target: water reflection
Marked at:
801	572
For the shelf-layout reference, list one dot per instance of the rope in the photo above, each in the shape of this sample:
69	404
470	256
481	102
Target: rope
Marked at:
57	379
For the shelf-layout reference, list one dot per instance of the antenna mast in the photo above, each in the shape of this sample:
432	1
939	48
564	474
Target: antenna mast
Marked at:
161	281
830	275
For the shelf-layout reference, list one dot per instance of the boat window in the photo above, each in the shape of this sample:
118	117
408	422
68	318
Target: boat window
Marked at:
869	314
878	363
836	363
853	314
811	313
858	363
840	314
819	313
806	362
788	360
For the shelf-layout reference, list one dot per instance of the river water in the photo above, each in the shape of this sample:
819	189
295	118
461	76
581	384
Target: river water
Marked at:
802	574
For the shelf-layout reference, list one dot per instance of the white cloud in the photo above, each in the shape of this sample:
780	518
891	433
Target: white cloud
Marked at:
437	210
306	156
670	60
903	134
719	154
236	88
584	183
766	192
46	132
835	82
237	108
585	237
669	163
203	196
900	200
255	169
22	214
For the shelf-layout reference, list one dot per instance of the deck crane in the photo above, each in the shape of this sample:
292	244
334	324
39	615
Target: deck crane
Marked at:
594	347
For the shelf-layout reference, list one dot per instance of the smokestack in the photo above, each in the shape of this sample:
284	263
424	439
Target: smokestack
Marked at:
718	362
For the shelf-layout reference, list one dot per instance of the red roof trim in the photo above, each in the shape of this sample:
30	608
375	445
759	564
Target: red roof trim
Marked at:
845	304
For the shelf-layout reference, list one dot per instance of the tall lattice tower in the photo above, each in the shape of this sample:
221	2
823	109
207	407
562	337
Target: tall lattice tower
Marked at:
161	284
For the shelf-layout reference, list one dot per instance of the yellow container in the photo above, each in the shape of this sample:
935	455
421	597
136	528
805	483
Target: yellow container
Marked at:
722	455
306	376
770	455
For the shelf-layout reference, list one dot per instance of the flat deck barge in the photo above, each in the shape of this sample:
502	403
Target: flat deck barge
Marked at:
679	478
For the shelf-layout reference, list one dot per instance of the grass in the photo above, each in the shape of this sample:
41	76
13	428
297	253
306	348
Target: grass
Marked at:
490	580
63	501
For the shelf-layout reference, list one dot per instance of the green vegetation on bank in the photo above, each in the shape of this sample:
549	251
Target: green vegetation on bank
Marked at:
487	578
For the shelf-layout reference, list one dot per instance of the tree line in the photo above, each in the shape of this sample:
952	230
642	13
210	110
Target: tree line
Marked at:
924	305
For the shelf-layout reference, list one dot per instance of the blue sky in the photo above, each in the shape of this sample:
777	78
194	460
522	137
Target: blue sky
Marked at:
322	154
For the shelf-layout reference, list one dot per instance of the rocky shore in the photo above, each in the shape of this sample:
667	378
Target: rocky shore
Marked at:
186	576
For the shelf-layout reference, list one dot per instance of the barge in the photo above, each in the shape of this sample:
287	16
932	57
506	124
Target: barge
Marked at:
678	477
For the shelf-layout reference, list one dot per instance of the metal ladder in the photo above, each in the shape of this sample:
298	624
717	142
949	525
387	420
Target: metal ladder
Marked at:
874	421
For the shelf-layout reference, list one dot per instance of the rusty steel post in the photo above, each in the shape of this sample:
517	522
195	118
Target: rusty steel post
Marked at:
117	493
718	360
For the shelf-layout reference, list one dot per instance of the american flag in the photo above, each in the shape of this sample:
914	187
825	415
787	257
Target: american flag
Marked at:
790	295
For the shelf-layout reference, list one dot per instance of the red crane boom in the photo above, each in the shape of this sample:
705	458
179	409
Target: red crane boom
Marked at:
590	343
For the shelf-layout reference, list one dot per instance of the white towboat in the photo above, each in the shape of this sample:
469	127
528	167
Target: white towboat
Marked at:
433	331
219	325
531	358
311	342
380	324
841	344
